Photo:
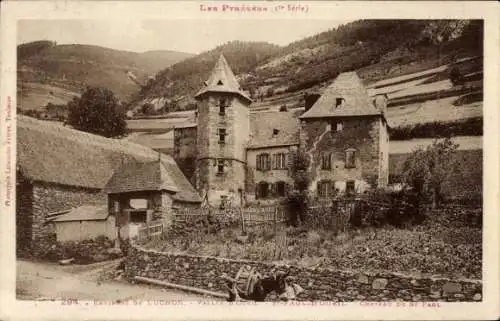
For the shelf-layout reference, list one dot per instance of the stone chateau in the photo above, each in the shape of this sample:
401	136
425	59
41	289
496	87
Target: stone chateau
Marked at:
231	155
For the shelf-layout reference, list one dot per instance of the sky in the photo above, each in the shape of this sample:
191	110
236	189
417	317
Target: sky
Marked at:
193	36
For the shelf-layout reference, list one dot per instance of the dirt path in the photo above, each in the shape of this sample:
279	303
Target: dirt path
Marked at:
43	281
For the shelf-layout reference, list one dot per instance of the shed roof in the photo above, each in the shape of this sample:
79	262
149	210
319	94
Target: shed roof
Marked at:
84	213
222	80
263	124
134	177
356	100
54	153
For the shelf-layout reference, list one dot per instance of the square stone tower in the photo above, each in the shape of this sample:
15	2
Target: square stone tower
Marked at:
223	133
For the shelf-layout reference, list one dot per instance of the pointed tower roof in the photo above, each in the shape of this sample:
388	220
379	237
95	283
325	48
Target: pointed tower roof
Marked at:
135	177
222	80
353	95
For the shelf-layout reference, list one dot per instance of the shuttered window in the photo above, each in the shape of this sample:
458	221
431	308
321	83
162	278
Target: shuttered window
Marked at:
262	190
326	161
280	189
263	162
223	104
325	188
279	161
350	187
222	135
350	158
220	166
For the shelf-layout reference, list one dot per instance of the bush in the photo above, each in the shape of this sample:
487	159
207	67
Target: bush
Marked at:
378	208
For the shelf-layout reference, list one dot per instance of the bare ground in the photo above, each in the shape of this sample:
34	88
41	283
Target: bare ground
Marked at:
48	281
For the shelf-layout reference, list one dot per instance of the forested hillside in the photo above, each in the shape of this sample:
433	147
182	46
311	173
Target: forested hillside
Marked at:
376	49
185	77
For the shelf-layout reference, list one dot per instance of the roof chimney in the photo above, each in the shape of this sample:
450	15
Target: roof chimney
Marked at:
380	102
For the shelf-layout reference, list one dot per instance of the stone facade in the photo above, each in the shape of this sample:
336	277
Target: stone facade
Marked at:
36	201
269	176
222	160
185	150
333	138
319	284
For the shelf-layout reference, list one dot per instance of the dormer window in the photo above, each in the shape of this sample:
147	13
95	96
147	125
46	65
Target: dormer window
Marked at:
276	132
339	101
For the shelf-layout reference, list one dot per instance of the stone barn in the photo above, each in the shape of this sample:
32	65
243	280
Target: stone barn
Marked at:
59	168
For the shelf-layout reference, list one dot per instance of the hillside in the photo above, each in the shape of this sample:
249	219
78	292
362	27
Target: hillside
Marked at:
48	72
376	49
185	78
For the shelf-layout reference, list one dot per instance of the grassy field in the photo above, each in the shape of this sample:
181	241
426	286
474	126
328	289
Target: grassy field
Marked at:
440	247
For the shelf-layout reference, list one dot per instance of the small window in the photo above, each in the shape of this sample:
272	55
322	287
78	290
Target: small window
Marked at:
326	161
223	202
223	104
219	83
220	166
340	126
350	187
116	206
279	161
276	132
222	135
350	158
262	190
338	102
280	189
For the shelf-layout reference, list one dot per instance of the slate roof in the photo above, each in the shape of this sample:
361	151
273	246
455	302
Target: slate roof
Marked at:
84	213
222	80
135	177
356	100
54	153
262	125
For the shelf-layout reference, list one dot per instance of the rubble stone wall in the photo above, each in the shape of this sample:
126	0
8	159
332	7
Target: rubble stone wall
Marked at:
319	284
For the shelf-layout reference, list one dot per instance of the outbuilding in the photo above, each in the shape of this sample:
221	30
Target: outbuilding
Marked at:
85	222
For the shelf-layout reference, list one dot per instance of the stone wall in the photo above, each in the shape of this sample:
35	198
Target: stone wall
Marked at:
363	134
24	217
235	121
319	284
49	198
185	151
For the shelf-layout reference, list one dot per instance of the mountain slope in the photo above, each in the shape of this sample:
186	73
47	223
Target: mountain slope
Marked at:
185	77
69	68
376	49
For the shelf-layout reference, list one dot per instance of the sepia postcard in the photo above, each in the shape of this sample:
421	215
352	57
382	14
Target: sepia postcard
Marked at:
249	160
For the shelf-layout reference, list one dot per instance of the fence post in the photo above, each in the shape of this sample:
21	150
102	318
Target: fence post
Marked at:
275	218
243	230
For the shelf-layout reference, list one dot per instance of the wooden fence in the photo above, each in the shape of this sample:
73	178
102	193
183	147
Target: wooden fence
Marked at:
334	214
153	230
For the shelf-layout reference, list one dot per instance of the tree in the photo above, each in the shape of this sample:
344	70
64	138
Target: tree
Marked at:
456	77
425	170
298	198
97	111
147	109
